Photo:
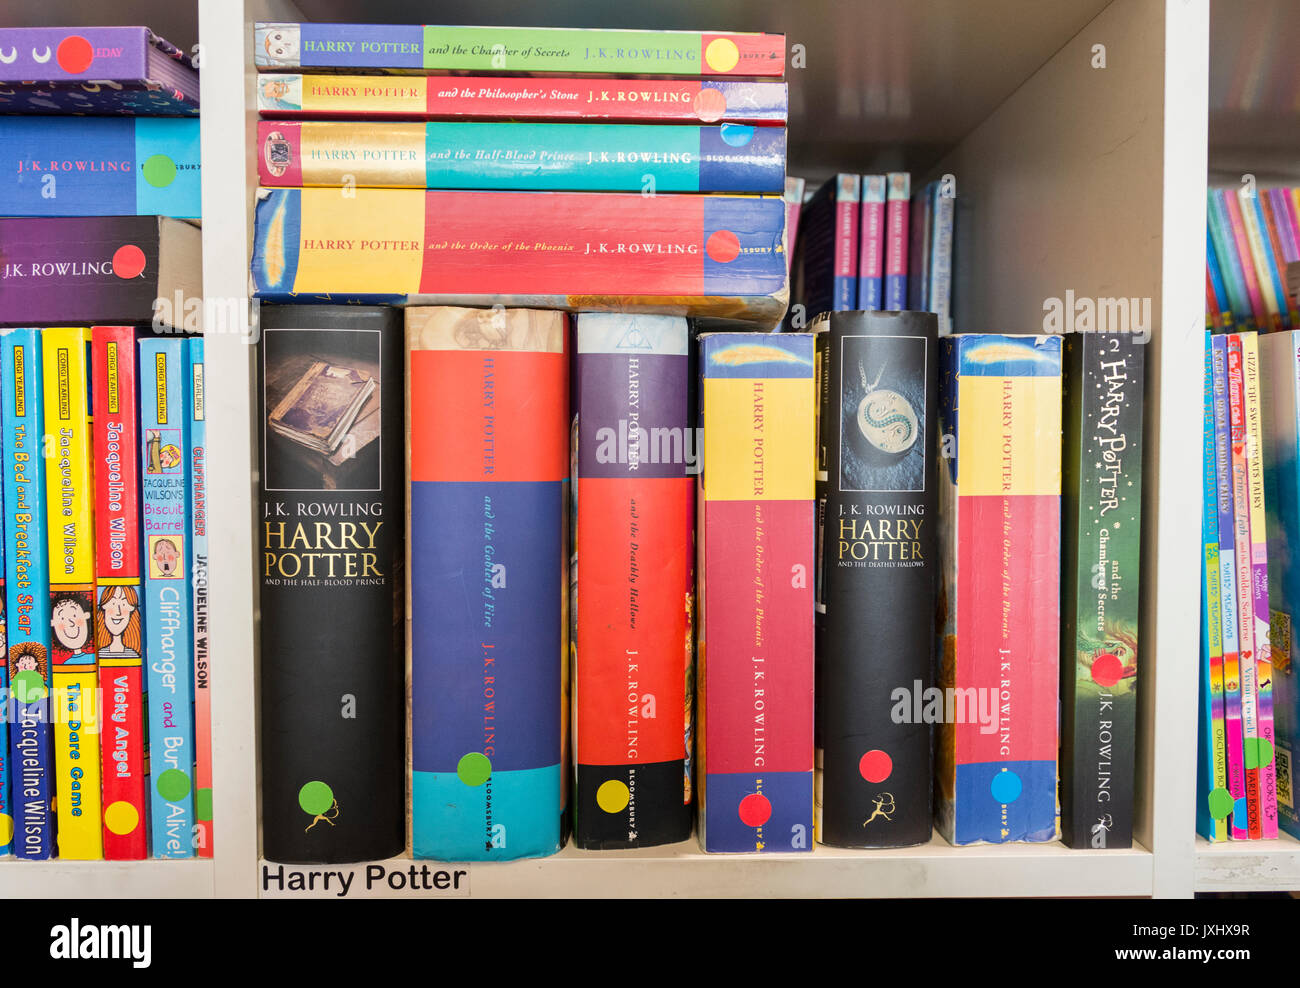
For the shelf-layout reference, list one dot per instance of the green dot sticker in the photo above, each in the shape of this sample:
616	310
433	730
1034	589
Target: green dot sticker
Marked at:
1220	801
203	804
29	687
473	769
315	798
173	785
1258	752
159	170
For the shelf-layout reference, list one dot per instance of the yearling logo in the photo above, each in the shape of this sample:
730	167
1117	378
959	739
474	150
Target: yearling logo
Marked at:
885	808
95	942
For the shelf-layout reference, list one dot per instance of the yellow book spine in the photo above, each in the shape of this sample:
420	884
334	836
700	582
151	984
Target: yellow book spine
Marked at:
70	505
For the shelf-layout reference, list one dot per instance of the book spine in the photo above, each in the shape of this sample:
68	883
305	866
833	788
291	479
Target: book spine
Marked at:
609	248
825	277
602	157
1001	499
876	577
1236	232
1214	803
1218	291
119	613
845	291
1266	267
99	166
755	648
1263	753
919	239
634	495
1100	650
794	191
1250	826
1232	644
6	706
169	633
82	54
1229	263
488	461
197	454
871	259
896	240
289	95
424	48
27	599
1212	314
1274	230
941	259
70	506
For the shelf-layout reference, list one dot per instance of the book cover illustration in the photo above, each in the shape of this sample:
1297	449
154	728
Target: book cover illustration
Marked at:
755	537
603	157
197	453
1213	802
1000	532
27	598
74	667
322	406
332	704
105	166
488	464
292	95
632	578
119	617
423	48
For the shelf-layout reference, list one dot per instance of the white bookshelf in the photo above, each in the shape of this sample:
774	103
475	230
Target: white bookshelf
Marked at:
1069	177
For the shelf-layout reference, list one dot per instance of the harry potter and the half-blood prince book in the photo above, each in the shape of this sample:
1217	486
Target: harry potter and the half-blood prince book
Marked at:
877	571
332	666
1102	525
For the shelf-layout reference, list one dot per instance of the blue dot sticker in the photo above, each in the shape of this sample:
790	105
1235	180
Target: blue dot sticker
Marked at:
737	135
1239	811
1006	786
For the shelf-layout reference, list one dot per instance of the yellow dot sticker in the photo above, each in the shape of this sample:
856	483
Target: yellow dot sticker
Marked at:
6	829
722	55
613	796
121	818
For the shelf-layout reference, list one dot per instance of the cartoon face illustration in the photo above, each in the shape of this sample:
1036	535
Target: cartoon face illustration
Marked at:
281	44
118	629
165	556
28	657
169	456
71	623
26	663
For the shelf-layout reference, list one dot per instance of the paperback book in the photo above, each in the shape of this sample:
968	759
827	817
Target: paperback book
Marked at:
1213	803
825	274
871	255
197	455
898	194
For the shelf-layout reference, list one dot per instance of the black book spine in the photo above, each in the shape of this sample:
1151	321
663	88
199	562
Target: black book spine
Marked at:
332	704
877	577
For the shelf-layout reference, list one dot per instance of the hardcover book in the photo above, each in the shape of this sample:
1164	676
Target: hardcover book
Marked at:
74	664
677	255
27	598
1104	380
877	577
96	71
99	270
632	579
99	166
169	629
488	464
425	48
1213	802
600	157
999	599
826	270
119	612
289	95
197	454
871	255
755	636
333	706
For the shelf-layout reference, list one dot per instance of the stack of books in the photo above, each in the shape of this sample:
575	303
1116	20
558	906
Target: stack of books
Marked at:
101	428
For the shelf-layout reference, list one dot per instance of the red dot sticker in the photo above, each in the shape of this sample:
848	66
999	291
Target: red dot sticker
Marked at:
1107	669
710	104
128	261
74	54
722	246
875	766
755	810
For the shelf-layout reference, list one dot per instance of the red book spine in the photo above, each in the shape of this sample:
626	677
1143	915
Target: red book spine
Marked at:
118	618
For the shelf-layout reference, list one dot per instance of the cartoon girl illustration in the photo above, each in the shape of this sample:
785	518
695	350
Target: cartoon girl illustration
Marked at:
72	623
117	632
169	456
166	557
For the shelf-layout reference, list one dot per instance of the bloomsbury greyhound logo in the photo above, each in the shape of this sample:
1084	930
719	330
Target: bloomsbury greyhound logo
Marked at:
90	941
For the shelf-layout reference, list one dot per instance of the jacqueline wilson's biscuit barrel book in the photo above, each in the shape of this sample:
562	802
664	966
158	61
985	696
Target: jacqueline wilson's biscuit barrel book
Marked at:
332	670
877	577
755	541
999	601
487	467
633	568
1102	506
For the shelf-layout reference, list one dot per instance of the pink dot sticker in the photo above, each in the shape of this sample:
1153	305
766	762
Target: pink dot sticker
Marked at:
128	261
1107	669
74	54
710	105
875	766
755	810
723	246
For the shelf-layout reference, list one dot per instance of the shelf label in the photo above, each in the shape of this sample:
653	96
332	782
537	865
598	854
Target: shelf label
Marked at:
393	879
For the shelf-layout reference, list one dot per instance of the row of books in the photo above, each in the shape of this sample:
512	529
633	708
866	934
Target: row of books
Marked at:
1253	234
746	634
105	594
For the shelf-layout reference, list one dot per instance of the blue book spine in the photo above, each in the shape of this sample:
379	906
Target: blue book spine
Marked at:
6	808
169	632
99	166
1273	274
897	211
1211	758
1229	263
942	208
27	597
1216	283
